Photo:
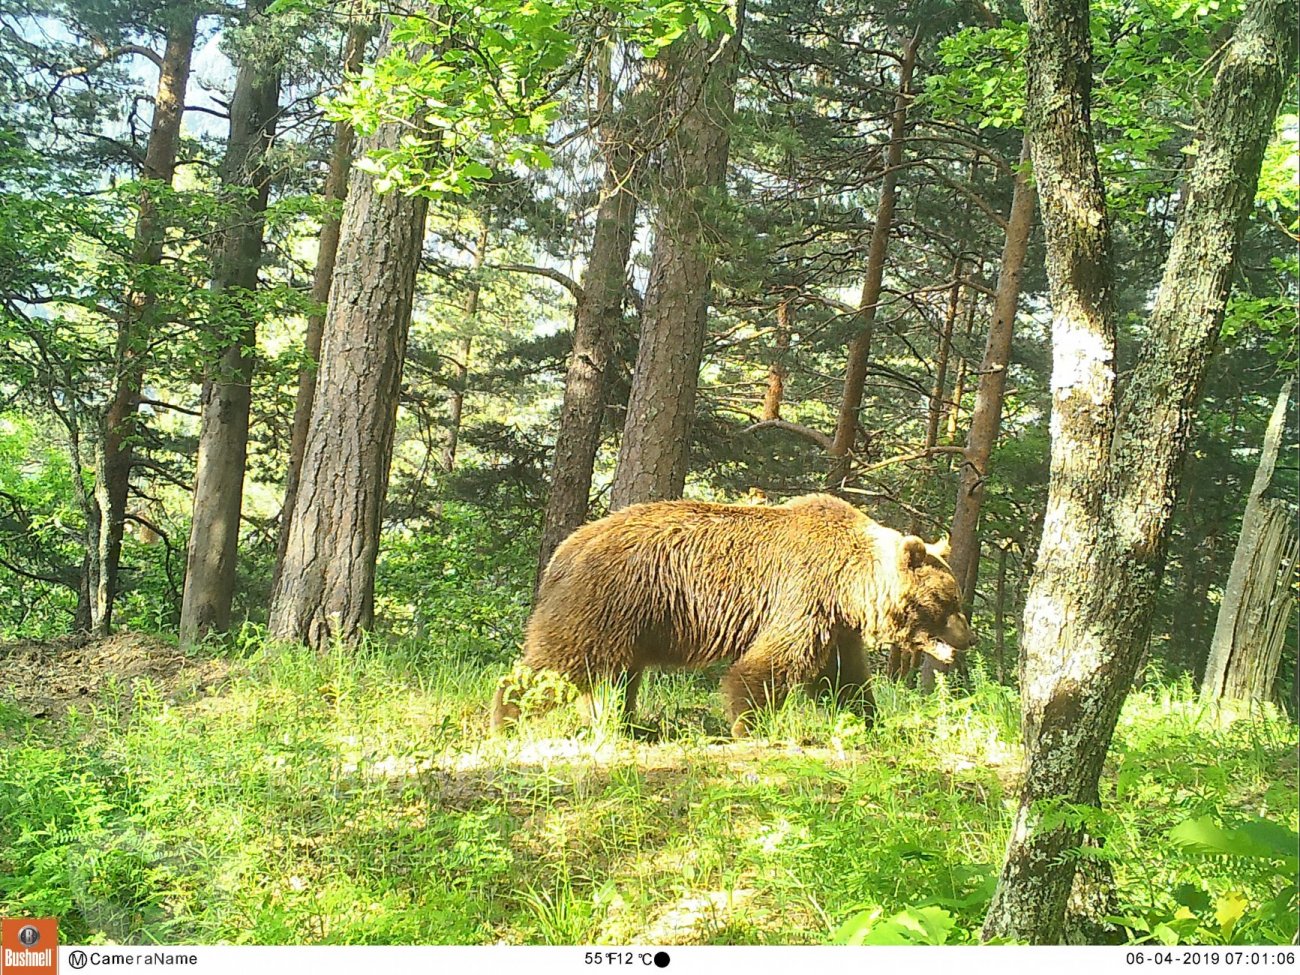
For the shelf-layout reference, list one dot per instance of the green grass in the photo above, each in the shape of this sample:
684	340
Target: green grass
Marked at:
356	798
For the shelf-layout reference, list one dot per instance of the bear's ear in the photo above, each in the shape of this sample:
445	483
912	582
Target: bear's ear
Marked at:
913	552
941	549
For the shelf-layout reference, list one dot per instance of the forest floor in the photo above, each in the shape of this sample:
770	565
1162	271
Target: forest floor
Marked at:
274	796
46	678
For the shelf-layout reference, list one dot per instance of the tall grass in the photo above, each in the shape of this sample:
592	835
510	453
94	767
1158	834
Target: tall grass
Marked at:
355	797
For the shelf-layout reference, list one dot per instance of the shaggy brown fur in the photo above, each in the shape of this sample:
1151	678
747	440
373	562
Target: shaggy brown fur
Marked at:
788	594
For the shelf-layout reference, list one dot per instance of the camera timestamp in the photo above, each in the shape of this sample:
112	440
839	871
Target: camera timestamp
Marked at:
1243	957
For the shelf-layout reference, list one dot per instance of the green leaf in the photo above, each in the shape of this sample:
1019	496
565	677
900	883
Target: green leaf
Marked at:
1257	839
856	927
1192	897
913	926
476	170
1165	934
1228	910
1268	835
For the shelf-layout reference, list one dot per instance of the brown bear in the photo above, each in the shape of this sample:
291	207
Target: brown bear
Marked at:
787	594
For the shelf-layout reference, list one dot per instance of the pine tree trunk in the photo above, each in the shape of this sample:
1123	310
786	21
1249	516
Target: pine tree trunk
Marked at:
775	391
113	466
456	404
227	388
655	449
335	191
859	353
940	385
595	324
986	417
456	401
600	308
1114	471
959	380
1256	606
1000	617
326	588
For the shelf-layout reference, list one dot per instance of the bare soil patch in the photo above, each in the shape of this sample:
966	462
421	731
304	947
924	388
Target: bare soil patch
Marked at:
46	678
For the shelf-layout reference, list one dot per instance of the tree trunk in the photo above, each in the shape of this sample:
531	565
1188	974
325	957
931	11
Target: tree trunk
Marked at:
655	449
859	354
326	589
1114	472
959	380
457	402
595	325
335	191
227	388
986	417
113	467
1000	617
776	371
1256	607
940	386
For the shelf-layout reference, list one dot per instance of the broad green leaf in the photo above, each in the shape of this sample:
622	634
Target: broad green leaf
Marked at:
1228	910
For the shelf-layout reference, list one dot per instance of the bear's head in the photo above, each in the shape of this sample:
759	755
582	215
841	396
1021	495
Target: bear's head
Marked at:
930	615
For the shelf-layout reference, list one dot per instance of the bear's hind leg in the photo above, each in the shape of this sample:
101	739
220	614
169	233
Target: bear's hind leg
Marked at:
762	677
631	684
848	677
753	683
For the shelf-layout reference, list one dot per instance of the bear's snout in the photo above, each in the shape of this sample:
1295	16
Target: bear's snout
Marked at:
958	632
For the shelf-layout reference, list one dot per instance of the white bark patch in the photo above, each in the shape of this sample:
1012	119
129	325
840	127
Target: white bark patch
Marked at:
1081	357
1077	203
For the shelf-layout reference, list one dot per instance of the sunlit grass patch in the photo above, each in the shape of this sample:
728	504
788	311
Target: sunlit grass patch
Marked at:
357	797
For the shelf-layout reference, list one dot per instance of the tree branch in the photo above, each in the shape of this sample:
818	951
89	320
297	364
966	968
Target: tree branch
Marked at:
808	433
145	401
112	55
558	277
915	455
207	111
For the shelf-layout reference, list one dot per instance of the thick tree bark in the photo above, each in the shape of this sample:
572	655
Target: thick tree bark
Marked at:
986	417
1256	606
859	352
334	192
113	467
776	370
655	449
326	589
227	388
1114	472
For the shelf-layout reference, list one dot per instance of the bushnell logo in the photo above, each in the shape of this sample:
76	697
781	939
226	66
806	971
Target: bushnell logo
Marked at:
29	946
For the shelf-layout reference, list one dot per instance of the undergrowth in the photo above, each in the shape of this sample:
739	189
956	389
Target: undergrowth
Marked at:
356	798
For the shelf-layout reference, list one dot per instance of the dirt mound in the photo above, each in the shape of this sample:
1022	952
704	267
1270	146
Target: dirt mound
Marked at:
46	678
